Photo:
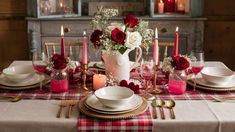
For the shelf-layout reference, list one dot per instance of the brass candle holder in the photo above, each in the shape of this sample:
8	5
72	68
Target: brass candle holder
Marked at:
156	89
84	75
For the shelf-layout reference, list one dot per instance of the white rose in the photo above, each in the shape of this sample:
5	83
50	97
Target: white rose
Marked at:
133	39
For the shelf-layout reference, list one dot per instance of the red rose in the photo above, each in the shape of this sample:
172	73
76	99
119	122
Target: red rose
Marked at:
59	62
95	37
118	36
180	63
131	21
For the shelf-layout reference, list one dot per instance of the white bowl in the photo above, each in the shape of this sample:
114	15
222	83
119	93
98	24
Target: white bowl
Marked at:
114	96
217	75
18	73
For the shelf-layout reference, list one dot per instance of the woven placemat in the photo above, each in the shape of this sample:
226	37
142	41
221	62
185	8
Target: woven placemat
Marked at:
198	86
83	109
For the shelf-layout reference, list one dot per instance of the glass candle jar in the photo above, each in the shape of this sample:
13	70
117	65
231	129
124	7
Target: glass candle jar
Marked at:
59	81
177	82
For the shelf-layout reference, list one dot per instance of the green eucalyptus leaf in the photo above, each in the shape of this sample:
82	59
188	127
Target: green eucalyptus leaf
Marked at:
122	50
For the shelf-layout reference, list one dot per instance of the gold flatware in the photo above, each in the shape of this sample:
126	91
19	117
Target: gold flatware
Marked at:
154	110
170	104
71	104
63	104
160	104
10	98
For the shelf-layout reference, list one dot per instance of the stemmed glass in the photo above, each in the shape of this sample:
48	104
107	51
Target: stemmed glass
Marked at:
40	62
146	72
197	64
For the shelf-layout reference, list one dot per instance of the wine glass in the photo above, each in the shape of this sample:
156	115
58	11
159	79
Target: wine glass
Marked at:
197	64
146	72
40	62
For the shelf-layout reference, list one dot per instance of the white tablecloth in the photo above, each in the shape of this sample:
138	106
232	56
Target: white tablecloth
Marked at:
191	116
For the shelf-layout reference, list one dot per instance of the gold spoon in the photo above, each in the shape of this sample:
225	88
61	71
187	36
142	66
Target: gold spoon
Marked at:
170	104
160	104
10	98
154	105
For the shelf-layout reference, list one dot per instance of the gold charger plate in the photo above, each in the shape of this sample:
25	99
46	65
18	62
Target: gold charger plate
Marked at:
198	86
45	81
141	109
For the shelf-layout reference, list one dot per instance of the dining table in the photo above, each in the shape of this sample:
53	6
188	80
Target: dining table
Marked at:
36	112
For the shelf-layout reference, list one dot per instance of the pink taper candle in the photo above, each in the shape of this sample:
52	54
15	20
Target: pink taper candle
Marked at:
156	48
160	7
84	48
62	42
176	44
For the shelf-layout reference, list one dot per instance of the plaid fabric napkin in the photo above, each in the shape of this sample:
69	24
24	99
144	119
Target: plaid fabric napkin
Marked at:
141	123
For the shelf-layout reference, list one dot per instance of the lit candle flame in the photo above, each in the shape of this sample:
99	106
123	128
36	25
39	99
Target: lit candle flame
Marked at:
161	1
177	29
156	33
61	4
84	33
62	30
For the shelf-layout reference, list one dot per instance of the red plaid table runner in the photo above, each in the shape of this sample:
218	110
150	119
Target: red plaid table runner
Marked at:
141	123
73	94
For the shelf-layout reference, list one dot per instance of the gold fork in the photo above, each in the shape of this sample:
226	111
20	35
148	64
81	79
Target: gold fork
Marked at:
63	104
71	104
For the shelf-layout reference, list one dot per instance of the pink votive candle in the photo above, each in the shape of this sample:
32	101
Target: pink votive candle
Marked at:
99	81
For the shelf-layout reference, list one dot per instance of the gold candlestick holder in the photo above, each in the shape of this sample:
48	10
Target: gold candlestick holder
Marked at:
84	76
156	89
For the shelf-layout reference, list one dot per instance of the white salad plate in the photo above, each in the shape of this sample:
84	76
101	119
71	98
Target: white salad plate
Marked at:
32	80
230	84
93	103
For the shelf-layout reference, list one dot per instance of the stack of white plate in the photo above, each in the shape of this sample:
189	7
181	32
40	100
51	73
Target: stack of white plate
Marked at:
29	83
93	104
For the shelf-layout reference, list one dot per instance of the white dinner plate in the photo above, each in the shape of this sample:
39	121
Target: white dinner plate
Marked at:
32	80
94	103
110	112
203	82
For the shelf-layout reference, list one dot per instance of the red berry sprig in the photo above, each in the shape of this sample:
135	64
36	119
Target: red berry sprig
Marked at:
131	85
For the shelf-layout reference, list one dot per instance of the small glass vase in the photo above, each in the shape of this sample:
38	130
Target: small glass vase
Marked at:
177	82
59	81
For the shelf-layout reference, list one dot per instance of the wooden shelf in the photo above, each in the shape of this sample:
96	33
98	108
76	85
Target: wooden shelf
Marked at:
88	18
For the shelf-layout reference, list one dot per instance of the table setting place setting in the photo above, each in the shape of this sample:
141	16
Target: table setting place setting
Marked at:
116	90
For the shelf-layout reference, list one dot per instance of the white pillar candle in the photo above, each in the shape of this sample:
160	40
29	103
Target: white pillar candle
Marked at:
99	81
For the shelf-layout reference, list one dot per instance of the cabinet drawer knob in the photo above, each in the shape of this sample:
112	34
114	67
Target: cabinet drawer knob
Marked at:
163	30
66	30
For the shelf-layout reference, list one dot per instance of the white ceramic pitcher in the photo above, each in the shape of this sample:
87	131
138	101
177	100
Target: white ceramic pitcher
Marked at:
118	64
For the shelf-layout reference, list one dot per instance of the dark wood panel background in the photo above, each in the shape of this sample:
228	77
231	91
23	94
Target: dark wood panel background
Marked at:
219	31
13	31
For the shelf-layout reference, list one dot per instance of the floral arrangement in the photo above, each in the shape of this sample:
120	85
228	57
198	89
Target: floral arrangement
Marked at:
58	62
119	36
175	63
